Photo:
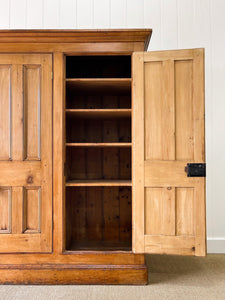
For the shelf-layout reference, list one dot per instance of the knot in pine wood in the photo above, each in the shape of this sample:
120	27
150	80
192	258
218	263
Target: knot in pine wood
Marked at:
30	179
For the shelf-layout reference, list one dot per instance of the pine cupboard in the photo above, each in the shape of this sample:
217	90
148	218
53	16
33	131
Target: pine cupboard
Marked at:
101	153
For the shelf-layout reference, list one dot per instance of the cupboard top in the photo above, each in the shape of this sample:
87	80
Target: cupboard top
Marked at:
77	36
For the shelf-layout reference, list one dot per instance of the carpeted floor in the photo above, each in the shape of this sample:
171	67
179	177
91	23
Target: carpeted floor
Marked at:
170	277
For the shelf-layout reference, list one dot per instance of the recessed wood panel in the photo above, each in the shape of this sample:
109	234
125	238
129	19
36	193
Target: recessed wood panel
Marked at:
169	211
32	210
5	210
160	211
32	106
152	109
185	211
183	71
5	111
159	110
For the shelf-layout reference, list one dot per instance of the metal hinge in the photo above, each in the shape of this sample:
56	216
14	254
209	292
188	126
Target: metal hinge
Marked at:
196	170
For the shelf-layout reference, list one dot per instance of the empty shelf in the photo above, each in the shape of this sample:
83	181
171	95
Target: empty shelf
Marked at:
99	113
99	246
101	182
101	145
102	84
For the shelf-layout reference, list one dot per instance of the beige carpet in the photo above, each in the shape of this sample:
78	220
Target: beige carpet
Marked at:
170	277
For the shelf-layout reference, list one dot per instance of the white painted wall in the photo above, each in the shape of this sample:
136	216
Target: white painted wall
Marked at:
176	24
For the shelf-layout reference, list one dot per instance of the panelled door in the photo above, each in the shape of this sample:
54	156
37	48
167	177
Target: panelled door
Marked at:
168	133
25	153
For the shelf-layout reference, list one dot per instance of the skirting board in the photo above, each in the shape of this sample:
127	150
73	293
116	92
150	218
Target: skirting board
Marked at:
73	274
215	245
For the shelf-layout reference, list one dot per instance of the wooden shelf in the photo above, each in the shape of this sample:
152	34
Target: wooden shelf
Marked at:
99	113
99	145
100	84
99	246
100	182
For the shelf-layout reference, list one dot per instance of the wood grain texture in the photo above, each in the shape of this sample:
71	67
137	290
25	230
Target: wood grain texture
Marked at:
32	210
159	130
99	113
74	36
183	71
138	152
122	85
70	274
28	204
185	211
99	183
30	129
5	112
58	155
111	207
173	136
199	151
94	211
71	48
32	111
167	173
160	211
97	258
17	110
170	245
17	173
17	219
94	220
5	210
125	200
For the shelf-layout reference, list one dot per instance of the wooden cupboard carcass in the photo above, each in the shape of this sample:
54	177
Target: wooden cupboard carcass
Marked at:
97	142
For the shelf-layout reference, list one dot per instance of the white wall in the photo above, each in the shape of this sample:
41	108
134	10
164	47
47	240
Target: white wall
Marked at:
176	24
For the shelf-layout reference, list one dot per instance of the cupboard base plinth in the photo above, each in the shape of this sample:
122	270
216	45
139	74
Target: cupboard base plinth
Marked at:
73	274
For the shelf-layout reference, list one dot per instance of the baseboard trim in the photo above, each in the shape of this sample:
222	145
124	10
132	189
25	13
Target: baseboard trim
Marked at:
215	245
73	274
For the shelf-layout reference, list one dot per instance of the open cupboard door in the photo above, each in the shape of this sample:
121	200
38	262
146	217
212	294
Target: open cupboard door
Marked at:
168	133
25	153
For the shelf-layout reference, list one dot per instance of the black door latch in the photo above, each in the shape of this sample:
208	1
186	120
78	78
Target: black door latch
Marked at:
196	170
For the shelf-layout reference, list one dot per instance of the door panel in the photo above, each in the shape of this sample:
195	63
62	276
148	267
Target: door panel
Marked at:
32	105
5	211
168	133
25	153
5	74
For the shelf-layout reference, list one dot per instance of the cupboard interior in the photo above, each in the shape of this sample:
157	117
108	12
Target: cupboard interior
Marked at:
98	218
108	66
98	95
86	163
98	153
98	130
